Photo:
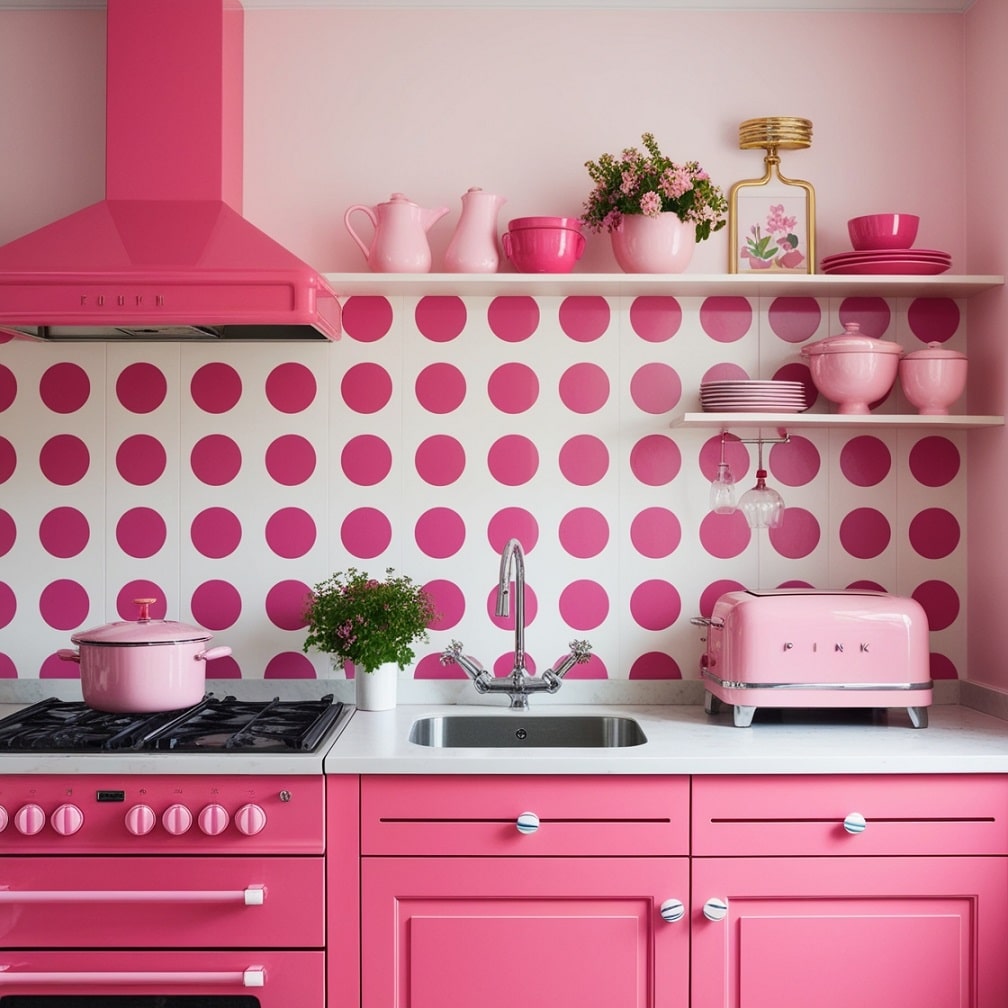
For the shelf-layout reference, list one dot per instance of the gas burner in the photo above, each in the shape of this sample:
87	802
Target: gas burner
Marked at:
215	724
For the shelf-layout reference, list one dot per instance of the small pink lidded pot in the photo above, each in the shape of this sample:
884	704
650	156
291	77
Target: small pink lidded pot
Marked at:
933	379
543	244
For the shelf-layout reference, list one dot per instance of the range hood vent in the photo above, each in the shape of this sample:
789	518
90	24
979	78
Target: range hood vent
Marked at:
167	254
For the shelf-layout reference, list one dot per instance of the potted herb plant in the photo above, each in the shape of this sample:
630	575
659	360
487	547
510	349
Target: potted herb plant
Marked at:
654	209
373	624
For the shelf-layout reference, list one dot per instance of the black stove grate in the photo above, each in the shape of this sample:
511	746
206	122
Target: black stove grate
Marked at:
215	724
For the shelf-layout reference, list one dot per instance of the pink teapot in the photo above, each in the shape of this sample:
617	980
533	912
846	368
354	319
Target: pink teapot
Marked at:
400	235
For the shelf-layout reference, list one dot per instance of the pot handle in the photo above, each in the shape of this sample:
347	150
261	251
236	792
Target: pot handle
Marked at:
68	654
211	653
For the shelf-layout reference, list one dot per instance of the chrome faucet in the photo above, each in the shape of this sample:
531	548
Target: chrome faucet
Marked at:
519	684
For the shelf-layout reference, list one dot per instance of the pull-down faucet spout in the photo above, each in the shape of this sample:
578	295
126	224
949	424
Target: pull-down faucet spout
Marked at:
513	556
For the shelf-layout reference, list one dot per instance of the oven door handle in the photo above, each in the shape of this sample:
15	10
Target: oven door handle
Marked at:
253	976
253	895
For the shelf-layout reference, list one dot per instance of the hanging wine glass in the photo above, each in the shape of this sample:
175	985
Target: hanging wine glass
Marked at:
762	506
722	488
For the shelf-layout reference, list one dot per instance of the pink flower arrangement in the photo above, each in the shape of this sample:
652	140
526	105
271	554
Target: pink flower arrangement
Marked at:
647	182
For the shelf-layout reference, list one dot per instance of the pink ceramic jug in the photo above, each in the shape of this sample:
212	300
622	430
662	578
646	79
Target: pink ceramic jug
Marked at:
473	248
400	242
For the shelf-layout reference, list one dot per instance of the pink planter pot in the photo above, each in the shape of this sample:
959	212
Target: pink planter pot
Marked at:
662	244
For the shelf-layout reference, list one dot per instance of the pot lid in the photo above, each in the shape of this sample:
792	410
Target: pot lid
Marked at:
143	630
849	341
935	351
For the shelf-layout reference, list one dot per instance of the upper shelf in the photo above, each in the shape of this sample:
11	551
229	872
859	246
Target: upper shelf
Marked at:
795	421
678	285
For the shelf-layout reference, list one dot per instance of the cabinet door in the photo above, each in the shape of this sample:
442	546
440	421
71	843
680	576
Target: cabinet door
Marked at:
536	932
833	932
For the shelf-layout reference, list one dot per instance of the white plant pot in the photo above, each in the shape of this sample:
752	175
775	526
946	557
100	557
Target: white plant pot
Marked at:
376	691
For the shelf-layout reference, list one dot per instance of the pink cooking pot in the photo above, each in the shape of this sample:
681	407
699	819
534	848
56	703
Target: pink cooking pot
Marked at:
146	665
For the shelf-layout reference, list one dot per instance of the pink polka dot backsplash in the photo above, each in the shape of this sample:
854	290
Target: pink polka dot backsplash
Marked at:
226	481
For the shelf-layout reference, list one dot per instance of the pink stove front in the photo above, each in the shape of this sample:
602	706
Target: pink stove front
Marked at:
157	890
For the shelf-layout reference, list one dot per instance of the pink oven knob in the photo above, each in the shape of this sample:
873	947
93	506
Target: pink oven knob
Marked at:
29	819
213	819
250	819
66	820
176	819
140	820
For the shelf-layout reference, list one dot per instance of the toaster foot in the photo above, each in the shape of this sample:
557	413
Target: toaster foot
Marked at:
743	715
711	704
918	716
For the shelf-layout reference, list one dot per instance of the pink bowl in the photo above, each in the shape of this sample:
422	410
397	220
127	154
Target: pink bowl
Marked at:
543	249
853	370
883	231
519	223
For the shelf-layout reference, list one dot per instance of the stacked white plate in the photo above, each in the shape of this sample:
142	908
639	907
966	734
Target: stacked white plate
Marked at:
897	261
753	397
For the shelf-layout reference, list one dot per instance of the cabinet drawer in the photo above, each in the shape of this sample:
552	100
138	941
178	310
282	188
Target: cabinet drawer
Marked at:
805	815
588	815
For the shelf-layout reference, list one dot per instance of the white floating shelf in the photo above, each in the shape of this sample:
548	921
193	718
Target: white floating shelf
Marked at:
798	421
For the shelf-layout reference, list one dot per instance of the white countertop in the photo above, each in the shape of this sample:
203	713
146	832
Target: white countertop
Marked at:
682	739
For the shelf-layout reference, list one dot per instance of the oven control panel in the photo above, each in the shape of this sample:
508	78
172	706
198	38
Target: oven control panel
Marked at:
185	814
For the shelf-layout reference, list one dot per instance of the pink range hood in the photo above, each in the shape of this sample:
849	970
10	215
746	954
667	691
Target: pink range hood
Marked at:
166	255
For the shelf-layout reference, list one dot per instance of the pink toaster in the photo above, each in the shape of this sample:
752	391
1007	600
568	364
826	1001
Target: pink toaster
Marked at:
810	648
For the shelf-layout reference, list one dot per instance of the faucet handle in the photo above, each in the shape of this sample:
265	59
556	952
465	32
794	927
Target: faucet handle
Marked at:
581	651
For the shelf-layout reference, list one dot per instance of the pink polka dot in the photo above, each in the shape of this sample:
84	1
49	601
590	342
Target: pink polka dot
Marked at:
872	313
215	532
216	388
287	665
513	459
713	592
64	387
513	319
440	319
584	388
512	523
8	532
655	532
290	459
141	387
440	532
865	460
796	463
64	605
795	583
655	319
216	605
449	603
735	454
286	603
430	667
655	388
64	459
366	460
290	532
290	388
655	605
63	532
584	532
794	319
8	387
726	372
800	373
215	459
367	319
865	533
366	388
365	533
941	667
503	664
440	460
8	605
141	459
584	319
724	535
53	667
865	585
141	532
798	534
8	460
655	665
584	605
513	388
655	460
440	388
933	320
8	670
934	461
940	601
726	319
126	606
584	459
934	533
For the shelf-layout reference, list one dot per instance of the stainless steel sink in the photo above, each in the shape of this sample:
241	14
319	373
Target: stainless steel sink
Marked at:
520	731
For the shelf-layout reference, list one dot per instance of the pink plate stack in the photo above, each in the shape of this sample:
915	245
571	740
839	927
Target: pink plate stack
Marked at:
883	244
753	397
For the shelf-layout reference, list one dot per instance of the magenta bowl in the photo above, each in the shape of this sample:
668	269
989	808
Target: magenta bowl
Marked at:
883	231
520	223
543	249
